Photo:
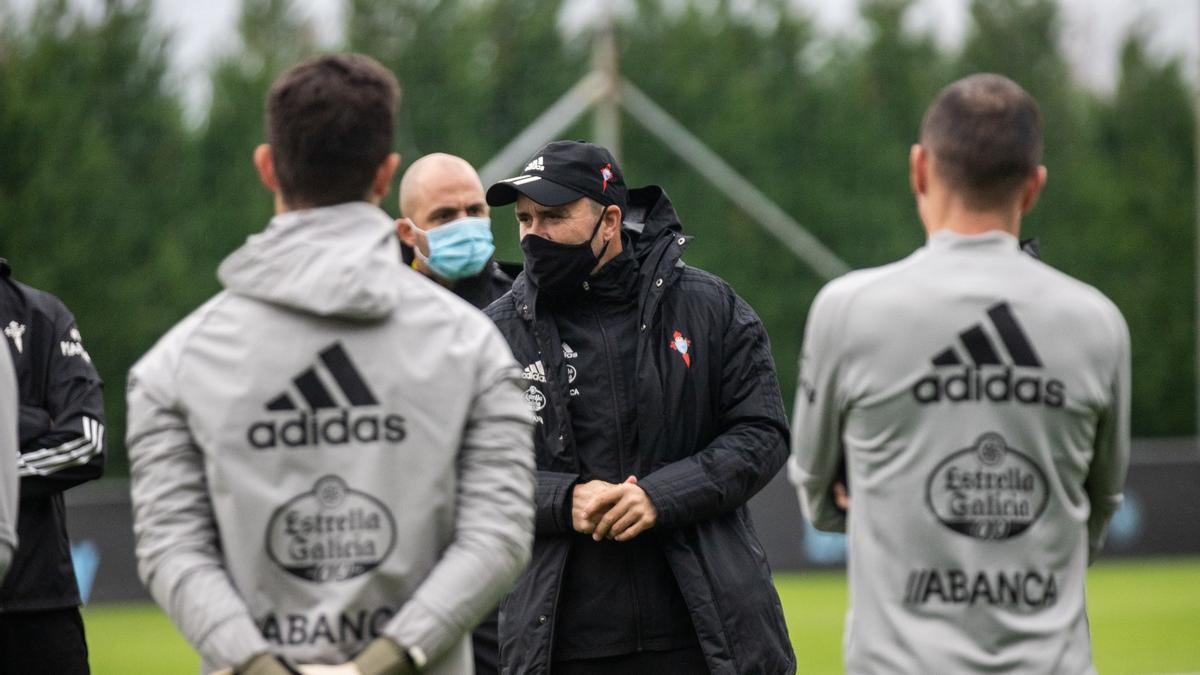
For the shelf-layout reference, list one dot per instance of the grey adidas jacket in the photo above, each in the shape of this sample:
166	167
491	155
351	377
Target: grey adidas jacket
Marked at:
977	400
10	452
330	450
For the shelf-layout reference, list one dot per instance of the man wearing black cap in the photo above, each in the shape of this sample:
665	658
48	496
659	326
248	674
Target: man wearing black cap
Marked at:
658	417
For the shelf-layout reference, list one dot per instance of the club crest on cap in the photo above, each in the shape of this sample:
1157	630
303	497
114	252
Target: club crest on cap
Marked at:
606	173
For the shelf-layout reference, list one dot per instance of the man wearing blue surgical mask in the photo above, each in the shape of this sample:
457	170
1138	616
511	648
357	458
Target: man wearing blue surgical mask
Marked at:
447	236
445	228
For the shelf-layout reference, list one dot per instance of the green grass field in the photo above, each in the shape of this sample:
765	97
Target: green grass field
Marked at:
1145	618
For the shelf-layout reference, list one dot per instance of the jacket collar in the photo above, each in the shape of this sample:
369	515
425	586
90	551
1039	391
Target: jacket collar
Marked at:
341	260
994	241
650	215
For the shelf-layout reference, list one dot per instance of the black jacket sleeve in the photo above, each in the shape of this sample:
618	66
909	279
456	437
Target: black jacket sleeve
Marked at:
552	501
62	439
751	445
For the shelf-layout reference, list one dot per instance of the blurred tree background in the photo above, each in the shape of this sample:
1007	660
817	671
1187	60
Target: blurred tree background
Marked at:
112	200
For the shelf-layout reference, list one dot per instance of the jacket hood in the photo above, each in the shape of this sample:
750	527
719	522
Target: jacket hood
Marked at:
656	240
341	261
648	217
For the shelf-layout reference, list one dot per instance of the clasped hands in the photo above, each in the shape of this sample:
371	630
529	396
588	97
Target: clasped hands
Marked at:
619	511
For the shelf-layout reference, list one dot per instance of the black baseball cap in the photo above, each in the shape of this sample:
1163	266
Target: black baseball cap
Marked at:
562	172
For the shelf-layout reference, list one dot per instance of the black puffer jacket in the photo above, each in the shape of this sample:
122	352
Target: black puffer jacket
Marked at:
711	432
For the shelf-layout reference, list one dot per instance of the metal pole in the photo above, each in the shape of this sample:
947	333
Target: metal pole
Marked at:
1196	257
604	62
545	128
739	190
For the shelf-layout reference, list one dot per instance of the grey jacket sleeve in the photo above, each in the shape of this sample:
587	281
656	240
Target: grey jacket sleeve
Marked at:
8	462
817	457
493	516
1110	459
179	557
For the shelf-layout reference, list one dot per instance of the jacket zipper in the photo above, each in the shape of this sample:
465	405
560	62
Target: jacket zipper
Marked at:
630	559
612	388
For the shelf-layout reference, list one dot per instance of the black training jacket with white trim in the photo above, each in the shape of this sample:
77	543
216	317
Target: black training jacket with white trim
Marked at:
62	438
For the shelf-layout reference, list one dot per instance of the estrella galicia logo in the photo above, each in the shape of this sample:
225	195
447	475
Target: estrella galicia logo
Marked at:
988	377
535	398
332	533
334	391
987	491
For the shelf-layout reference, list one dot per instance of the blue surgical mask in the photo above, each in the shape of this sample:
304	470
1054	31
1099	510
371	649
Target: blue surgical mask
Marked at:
458	249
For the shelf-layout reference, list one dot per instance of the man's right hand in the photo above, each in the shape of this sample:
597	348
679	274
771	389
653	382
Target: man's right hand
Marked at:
841	496
581	496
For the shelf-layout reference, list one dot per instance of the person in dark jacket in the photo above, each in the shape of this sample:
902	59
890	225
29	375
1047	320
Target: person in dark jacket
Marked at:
446	232
658	417
61	432
446	235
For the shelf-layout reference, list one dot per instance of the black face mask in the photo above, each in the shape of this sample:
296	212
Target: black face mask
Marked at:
560	270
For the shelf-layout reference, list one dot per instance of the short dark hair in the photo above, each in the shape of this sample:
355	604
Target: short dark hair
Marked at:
330	124
985	133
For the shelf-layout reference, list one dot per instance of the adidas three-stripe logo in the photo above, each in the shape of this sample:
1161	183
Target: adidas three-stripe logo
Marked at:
334	384
75	452
981	349
979	367
312	388
534	371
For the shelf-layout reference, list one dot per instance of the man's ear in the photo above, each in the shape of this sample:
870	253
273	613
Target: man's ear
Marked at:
264	162
383	177
404	229
918	169
612	223
1032	189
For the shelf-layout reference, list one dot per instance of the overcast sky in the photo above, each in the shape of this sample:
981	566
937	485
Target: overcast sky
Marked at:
1093	30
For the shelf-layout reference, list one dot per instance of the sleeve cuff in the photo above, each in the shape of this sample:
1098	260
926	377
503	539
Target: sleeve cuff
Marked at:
234	642
553	512
423	633
384	657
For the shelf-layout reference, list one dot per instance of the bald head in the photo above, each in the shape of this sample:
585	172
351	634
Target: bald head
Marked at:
439	188
985	135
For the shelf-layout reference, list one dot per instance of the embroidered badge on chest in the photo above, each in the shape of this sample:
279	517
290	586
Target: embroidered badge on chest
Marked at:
15	332
682	345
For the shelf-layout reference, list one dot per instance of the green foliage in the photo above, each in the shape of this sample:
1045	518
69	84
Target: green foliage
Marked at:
473	73
1140	241
111	201
228	202
92	148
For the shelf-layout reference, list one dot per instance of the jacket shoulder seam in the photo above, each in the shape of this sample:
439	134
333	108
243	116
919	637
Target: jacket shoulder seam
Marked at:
201	316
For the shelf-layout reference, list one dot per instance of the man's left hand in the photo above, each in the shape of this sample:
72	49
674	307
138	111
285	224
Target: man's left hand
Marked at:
627	510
